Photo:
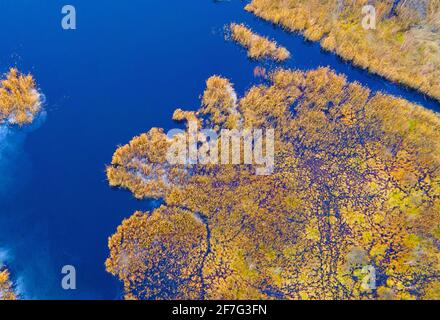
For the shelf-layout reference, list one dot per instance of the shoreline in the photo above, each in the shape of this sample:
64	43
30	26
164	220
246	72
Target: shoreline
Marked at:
371	69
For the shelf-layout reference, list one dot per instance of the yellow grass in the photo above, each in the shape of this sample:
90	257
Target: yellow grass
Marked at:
404	47
6	292
355	184
258	47
19	98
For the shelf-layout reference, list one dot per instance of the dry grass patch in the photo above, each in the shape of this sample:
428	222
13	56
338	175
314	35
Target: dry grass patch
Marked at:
19	98
404	47
258	47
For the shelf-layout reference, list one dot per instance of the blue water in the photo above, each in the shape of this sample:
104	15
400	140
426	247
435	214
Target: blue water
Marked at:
124	70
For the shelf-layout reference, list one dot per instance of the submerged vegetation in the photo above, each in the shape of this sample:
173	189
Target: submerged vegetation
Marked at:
6	290
19	99
404	47
258	47
355	192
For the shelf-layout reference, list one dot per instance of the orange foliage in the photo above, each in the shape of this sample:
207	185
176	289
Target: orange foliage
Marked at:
6	291
258	47
356	185
19	98
404	47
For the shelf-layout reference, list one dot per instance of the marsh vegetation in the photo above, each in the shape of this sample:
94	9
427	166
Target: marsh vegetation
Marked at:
258	47
6	289
19	98
355	185
404	47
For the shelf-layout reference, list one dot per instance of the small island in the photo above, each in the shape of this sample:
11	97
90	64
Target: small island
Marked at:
20	100
354	196
258	47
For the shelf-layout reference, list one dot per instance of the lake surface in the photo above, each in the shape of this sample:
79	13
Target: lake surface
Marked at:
125	69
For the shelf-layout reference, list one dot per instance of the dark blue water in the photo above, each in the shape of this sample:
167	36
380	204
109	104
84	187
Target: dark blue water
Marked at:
124	70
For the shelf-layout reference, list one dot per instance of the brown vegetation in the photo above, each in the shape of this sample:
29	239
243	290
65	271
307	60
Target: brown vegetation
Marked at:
356	185
19	98
258	47
6	291
404	47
